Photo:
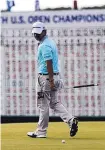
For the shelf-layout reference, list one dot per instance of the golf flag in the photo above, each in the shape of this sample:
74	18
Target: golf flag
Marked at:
10	4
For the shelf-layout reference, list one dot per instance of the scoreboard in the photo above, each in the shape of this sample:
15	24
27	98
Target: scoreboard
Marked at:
81	48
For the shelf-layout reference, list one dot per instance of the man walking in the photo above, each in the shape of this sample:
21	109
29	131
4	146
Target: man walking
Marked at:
48	84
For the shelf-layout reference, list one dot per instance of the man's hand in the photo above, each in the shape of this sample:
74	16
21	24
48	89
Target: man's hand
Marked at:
52	86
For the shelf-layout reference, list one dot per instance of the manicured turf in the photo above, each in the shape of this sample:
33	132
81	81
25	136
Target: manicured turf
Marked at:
91	136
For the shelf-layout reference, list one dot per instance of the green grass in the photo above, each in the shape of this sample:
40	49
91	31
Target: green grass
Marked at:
91	136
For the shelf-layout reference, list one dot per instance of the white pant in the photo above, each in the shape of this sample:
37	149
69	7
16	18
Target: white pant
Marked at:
46	100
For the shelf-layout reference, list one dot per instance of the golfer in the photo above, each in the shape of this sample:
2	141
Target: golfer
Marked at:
49	83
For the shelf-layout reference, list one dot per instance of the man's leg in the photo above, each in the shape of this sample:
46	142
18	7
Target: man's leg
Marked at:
43	105
64	114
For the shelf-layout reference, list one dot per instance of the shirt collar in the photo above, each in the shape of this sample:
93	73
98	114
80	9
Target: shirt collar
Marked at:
45	37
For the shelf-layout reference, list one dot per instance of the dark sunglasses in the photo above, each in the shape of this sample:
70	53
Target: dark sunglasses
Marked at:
36	35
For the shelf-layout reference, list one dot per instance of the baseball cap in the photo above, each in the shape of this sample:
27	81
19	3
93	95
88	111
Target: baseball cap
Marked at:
38	27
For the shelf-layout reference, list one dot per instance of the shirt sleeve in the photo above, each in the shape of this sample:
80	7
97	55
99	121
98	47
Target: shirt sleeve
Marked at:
46	52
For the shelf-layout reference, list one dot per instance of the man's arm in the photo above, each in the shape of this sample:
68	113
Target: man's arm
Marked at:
47	55
50	72
50	69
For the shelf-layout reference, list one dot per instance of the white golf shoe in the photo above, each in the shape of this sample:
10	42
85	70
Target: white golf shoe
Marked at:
35	135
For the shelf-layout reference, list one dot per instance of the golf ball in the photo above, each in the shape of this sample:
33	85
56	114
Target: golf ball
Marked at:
63	141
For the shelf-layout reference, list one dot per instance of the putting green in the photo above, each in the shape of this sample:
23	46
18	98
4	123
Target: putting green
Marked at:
91	136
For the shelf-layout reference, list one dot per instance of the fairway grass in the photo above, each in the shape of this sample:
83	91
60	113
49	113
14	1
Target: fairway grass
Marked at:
91	136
